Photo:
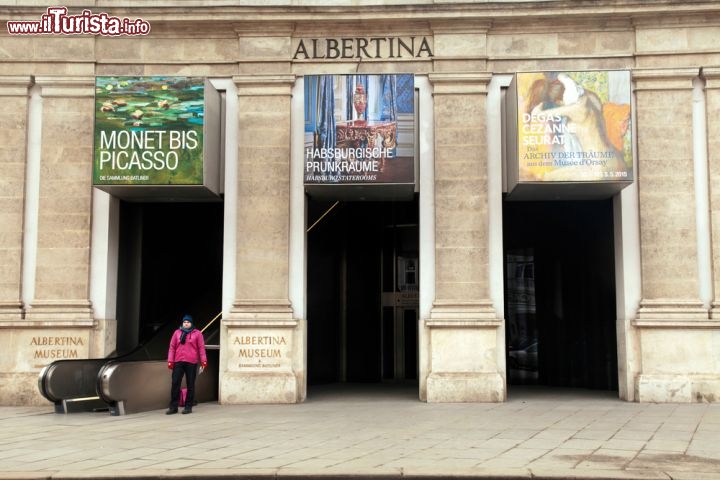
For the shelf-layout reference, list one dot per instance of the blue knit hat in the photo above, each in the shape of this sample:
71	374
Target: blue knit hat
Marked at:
185	331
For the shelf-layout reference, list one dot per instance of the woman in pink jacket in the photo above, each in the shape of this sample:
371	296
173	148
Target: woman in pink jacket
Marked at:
187	349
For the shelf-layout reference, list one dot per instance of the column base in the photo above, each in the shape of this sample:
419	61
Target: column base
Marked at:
261	357
258	388
10	312
671	313
458	387
60	313
21	389
677	388
715	312
464	348
677	338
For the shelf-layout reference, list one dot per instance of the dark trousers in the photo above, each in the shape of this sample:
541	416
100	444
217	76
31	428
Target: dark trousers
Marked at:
190	372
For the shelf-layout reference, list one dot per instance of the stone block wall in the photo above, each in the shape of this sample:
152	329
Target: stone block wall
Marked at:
45	262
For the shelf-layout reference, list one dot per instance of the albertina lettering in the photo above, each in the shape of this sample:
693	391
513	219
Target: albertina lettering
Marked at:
260	340
44	341
359	48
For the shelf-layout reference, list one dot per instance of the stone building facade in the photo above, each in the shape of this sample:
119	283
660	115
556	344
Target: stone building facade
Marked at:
59	234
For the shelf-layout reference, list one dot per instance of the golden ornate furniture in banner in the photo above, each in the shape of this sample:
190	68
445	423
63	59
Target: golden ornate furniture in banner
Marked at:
363	134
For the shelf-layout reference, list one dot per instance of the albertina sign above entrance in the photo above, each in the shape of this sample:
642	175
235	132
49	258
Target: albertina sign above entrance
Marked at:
362	48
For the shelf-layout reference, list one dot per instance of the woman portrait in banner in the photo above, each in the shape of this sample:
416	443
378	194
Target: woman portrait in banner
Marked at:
591	143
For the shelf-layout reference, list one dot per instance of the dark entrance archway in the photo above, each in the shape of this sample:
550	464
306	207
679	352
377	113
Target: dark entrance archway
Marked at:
560	303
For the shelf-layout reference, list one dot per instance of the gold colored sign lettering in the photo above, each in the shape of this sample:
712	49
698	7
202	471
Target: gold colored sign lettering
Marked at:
45	352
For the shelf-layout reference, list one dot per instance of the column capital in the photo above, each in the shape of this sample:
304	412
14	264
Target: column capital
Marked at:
712	77
460	83
15	85
664	79
65	86
264	85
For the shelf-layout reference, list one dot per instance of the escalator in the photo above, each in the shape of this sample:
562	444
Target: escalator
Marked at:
130	383
170	258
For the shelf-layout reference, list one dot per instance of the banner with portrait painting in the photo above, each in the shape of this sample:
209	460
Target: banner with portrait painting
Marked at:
572	127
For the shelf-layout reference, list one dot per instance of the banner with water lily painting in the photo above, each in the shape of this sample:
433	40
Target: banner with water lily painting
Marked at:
150	130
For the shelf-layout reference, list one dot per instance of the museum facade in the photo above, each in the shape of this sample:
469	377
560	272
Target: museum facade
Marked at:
460	196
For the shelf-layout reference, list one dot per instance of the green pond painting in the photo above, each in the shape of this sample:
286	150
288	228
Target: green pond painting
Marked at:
149	130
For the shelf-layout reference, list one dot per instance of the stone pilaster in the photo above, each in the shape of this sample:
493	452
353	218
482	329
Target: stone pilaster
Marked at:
677	338
13	148
712	98
58	321
462	330
262	353
61	290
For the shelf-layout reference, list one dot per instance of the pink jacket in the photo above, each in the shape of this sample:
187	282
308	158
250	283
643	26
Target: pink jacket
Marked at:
193	351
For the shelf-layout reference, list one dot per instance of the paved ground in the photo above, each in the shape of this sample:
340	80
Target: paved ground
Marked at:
379	432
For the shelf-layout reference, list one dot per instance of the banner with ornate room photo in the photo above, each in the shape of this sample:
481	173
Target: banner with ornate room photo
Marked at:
573	126
359	129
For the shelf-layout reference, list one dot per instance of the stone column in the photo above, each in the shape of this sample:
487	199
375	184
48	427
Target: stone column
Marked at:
465	360
262	344
13	149
678	341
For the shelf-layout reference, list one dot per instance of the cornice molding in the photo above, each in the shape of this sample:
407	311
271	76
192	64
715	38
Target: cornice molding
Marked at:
201	11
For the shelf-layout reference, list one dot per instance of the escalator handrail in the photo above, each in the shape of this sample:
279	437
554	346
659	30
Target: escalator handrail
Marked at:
211	322
83	384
